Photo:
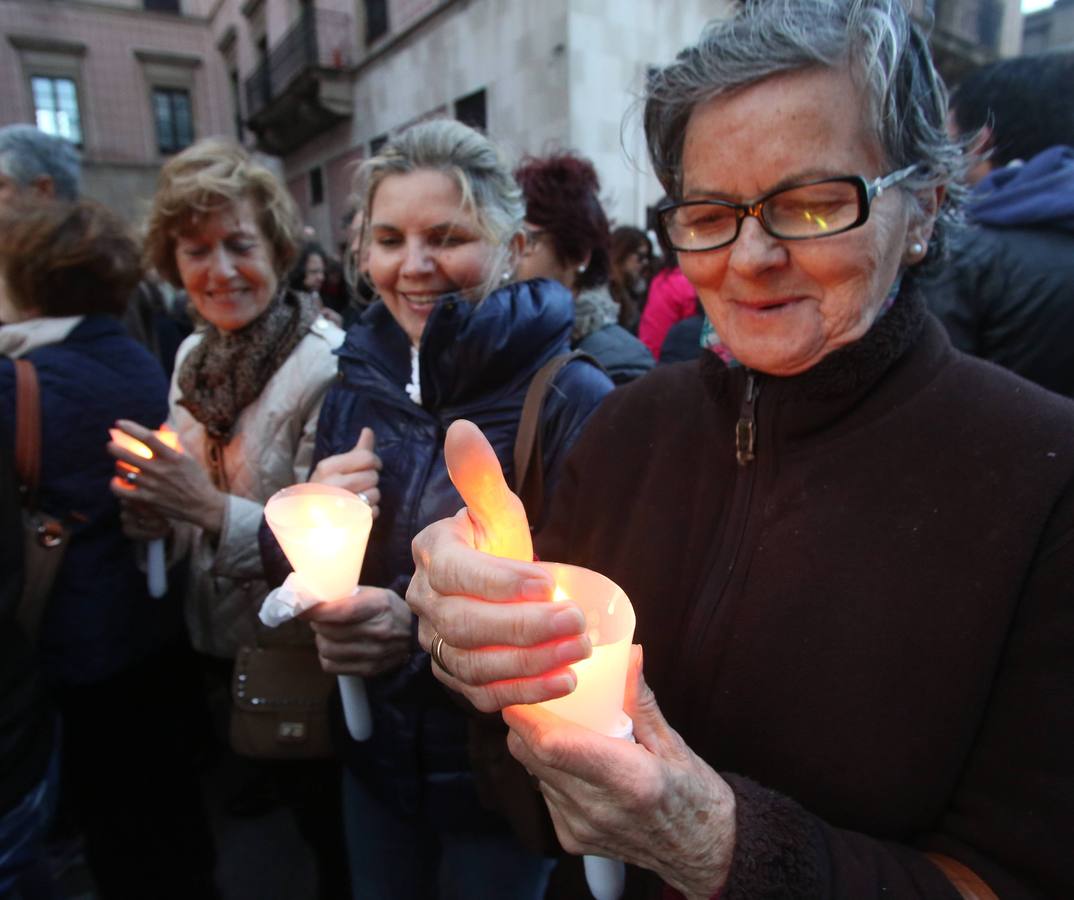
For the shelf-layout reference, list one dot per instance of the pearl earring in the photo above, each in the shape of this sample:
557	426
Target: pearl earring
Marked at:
506	276
581	269
917	248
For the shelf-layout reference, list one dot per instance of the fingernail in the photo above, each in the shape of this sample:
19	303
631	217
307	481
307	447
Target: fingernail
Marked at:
568	621
536	589
562	683
568	652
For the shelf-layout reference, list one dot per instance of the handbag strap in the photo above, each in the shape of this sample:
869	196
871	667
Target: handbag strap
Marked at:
529	458
963	878
27	430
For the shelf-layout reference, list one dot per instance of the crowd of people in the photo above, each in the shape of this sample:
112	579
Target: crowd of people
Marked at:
774	417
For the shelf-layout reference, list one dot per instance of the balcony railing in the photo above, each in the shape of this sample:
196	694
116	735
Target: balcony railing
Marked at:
320	39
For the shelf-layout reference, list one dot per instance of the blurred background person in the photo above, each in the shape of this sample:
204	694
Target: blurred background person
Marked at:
114	658
35	164
452	335
1007	293
567	239
630	257
671	300
307	279
244	400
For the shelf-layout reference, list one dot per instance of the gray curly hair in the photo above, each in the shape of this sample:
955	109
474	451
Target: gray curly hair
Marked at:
476	165
885	51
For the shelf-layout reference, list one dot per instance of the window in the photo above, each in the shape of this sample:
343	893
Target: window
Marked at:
171	6
175	124
470	110
375	145
376	19
316	186
56	107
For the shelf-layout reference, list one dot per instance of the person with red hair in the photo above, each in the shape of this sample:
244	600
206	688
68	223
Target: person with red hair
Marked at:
568	240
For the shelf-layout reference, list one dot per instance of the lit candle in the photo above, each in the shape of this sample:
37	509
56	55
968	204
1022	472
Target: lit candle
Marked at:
323	531
597	700
156	570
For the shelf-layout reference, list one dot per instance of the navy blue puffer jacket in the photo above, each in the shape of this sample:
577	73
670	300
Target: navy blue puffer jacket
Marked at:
100	618
476	362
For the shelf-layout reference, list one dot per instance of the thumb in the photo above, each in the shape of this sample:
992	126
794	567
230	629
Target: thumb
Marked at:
497	515
367	440
651	729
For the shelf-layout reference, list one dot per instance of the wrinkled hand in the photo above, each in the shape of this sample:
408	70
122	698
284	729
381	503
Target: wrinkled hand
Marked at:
654	804
365	634
357	470
474	584
173	484
141	522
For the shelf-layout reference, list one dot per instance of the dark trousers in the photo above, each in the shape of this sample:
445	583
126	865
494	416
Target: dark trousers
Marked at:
129	779
309	789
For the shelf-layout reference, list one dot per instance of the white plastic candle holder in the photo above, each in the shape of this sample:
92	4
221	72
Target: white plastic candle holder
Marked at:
323	531
596	702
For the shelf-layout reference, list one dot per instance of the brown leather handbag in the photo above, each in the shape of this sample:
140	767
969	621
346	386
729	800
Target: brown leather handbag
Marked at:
279	703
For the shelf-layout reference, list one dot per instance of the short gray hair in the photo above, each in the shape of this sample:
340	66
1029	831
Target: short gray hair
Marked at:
477	166
27	153
876	40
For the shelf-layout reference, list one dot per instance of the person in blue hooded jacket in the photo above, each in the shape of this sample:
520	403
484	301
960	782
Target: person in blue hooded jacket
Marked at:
452	337
1007	294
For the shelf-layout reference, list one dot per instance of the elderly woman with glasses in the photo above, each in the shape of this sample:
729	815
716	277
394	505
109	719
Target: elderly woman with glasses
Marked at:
850	549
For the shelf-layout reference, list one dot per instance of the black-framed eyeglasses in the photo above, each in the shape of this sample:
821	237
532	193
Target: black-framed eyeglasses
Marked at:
801	212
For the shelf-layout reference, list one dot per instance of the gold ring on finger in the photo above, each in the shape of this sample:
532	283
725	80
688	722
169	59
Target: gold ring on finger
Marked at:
436	651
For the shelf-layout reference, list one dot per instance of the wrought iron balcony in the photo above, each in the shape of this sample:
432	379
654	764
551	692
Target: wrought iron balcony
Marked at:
306	78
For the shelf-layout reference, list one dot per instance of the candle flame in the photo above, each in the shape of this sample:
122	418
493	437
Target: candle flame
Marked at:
559	595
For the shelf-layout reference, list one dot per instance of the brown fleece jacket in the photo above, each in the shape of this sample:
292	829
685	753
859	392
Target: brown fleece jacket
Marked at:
871	623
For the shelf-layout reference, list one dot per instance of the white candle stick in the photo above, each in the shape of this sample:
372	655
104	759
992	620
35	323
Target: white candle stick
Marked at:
323	531
597	700
156	569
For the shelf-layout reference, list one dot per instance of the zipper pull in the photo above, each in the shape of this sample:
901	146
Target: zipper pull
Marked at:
746	427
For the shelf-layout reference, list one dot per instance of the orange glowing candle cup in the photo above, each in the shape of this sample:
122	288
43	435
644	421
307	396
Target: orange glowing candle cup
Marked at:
156	568
323	531
597	700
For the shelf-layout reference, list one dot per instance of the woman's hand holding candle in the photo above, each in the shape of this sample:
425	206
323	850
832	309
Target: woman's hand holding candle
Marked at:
653	803
171	482
141	522
357	470
365	634
504	643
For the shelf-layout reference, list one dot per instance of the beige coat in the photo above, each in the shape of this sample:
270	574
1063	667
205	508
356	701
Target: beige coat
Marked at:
271	449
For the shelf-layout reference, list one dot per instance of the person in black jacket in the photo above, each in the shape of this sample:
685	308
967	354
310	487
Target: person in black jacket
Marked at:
1007	294
451	337
114	659
850	548
567	238
28	786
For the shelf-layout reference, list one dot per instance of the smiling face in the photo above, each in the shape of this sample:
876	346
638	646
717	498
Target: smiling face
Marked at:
424	244
226	266
782	306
